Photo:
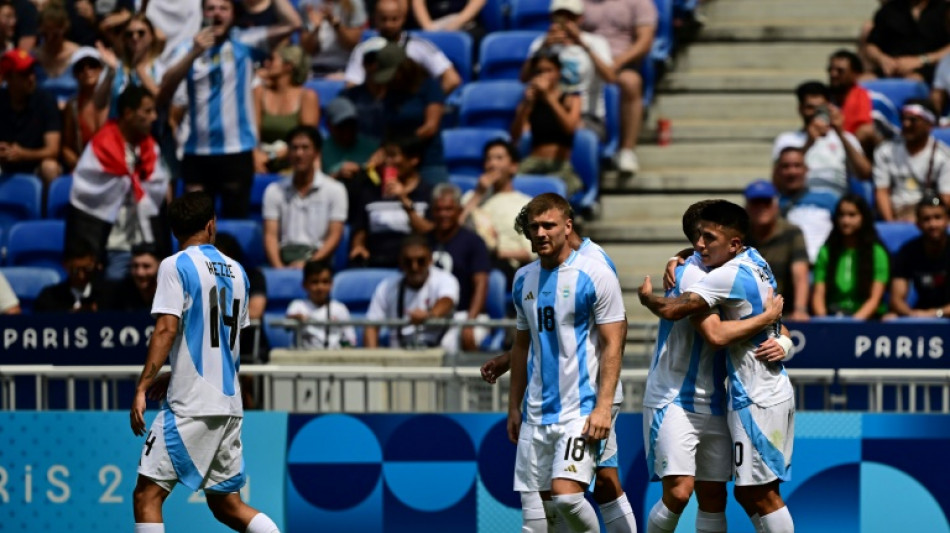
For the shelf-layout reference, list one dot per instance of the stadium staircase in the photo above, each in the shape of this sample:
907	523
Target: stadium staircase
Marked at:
728	94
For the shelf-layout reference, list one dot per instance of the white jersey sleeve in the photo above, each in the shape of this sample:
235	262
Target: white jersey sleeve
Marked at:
169	294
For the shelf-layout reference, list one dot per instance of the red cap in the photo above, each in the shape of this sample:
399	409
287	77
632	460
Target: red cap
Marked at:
15	61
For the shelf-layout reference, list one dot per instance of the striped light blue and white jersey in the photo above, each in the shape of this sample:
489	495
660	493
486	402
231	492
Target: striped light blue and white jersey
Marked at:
685	370
739	290
218	92
562	309
208	292
594	250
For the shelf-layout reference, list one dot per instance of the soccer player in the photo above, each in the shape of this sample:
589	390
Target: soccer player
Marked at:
614	506
687	440
761	404
200	304
571	320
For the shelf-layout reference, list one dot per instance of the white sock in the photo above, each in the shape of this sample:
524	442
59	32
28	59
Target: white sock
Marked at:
710	522
149	528
618	516
757	522
778	522
533	513
661	519
261	523
577	514
555	522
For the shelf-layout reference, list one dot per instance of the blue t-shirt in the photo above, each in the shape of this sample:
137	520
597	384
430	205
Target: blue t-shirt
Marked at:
404	113
464	255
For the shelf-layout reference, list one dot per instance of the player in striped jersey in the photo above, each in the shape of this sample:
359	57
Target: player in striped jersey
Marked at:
200	306
760	397
571	320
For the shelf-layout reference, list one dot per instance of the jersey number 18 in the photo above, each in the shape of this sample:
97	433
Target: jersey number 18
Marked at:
229	320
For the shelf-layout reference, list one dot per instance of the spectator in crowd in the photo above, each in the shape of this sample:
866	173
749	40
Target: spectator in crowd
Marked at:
282	103
924	264
412	107
304	215
488	208
782	245
345	150
254	345
391	202
318	282
223	132
907	168
629	27
854	101
586	64
84	17
263	13
177	20
368	99
55	52
115	202
831	153
450	15
27	24
333	29
941	86
9	303
390	21
801	206
462	252
135	61
853	268
30	122
81	291
81	118
137	290
419	294
7	26
908	38
552	115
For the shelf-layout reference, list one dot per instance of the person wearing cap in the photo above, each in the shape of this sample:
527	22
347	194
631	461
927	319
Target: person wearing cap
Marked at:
346	149
390	20
332	29
781	244
282	103
30	121
81	117
907	168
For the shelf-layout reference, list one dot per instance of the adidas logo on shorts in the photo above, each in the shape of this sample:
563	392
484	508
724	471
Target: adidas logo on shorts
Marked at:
571	468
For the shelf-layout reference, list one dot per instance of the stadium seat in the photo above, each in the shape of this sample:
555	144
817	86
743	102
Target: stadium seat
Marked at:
248	234
648	75
463	148
895	234
456	45
27	282
884	110
283	286
494	15
612	119
341	257
490	104
277	337
535	184
586	162
20	198
326	89
260	183
863	188
57	201
897	91
530	15
37	243
464	183
662	49
941	134
354	288
498	299
502	54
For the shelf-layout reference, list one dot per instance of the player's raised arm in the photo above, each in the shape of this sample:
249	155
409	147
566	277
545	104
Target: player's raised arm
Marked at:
519	381
160	344
721	333
671	308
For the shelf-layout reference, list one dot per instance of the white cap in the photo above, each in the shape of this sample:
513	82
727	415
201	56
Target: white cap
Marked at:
84	52
572	6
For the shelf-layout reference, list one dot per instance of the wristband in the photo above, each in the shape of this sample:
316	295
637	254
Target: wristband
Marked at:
787	345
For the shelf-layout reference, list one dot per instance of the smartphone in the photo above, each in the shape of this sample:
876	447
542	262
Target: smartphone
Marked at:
823	114
390	174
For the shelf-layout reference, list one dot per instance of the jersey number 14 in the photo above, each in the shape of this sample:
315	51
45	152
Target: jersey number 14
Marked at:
229	320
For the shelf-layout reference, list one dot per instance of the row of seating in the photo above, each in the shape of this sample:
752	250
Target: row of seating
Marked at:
889	94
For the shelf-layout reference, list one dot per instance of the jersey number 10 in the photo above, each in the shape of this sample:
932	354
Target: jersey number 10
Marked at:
229	320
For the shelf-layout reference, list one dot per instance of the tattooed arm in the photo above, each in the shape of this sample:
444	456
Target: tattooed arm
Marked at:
671	308
166	327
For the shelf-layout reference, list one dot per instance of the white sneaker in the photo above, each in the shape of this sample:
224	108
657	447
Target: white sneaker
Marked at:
627	161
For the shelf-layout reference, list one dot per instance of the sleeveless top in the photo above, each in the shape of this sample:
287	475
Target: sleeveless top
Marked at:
545	128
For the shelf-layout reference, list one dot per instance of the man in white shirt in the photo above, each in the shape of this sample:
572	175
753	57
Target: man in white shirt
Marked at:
303	215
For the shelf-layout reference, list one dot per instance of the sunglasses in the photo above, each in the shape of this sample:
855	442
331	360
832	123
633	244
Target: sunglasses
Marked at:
138	34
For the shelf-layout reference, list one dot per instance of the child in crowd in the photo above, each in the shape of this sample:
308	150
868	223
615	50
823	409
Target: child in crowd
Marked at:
318	281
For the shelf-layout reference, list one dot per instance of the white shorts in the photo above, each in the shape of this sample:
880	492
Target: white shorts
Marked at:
609	458
203	453
763	438
682	443
554	451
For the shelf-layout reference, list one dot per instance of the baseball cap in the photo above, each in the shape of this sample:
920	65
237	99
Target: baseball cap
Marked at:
388	60
571	6
760	190
85	52
15	61
339	110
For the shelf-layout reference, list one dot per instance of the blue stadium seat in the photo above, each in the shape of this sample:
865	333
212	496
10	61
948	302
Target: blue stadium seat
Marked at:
341	257
897	91
248	234
530	15
490	104
283	286
456	45
326	90
463	147
277	337
586	161
648	75
498	299
354	287
863	188
494	15
663	41
57	201
464	183
895	234
28	282
535	184
612	119
260	183
502	54
884	109
20	198
37	243
941	134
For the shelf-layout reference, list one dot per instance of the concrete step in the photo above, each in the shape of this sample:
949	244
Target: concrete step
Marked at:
748	10
649	208
744	107
707	155
792	56
683	179
735	129
779	28
733	80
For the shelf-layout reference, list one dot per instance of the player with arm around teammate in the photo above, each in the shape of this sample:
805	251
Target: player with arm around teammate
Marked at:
200	306
570	320
760	403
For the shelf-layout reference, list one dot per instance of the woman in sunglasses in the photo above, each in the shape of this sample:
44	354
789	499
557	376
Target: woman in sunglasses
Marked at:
135	61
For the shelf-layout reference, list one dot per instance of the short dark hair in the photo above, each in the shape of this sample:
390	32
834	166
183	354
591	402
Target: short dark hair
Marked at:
691	219
80	249
190	213
929	200
812	88
854	62
131	98
411	146
507	145
309	132
540	204
144	248
414	240
545	53
797	149
312	268
727	215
